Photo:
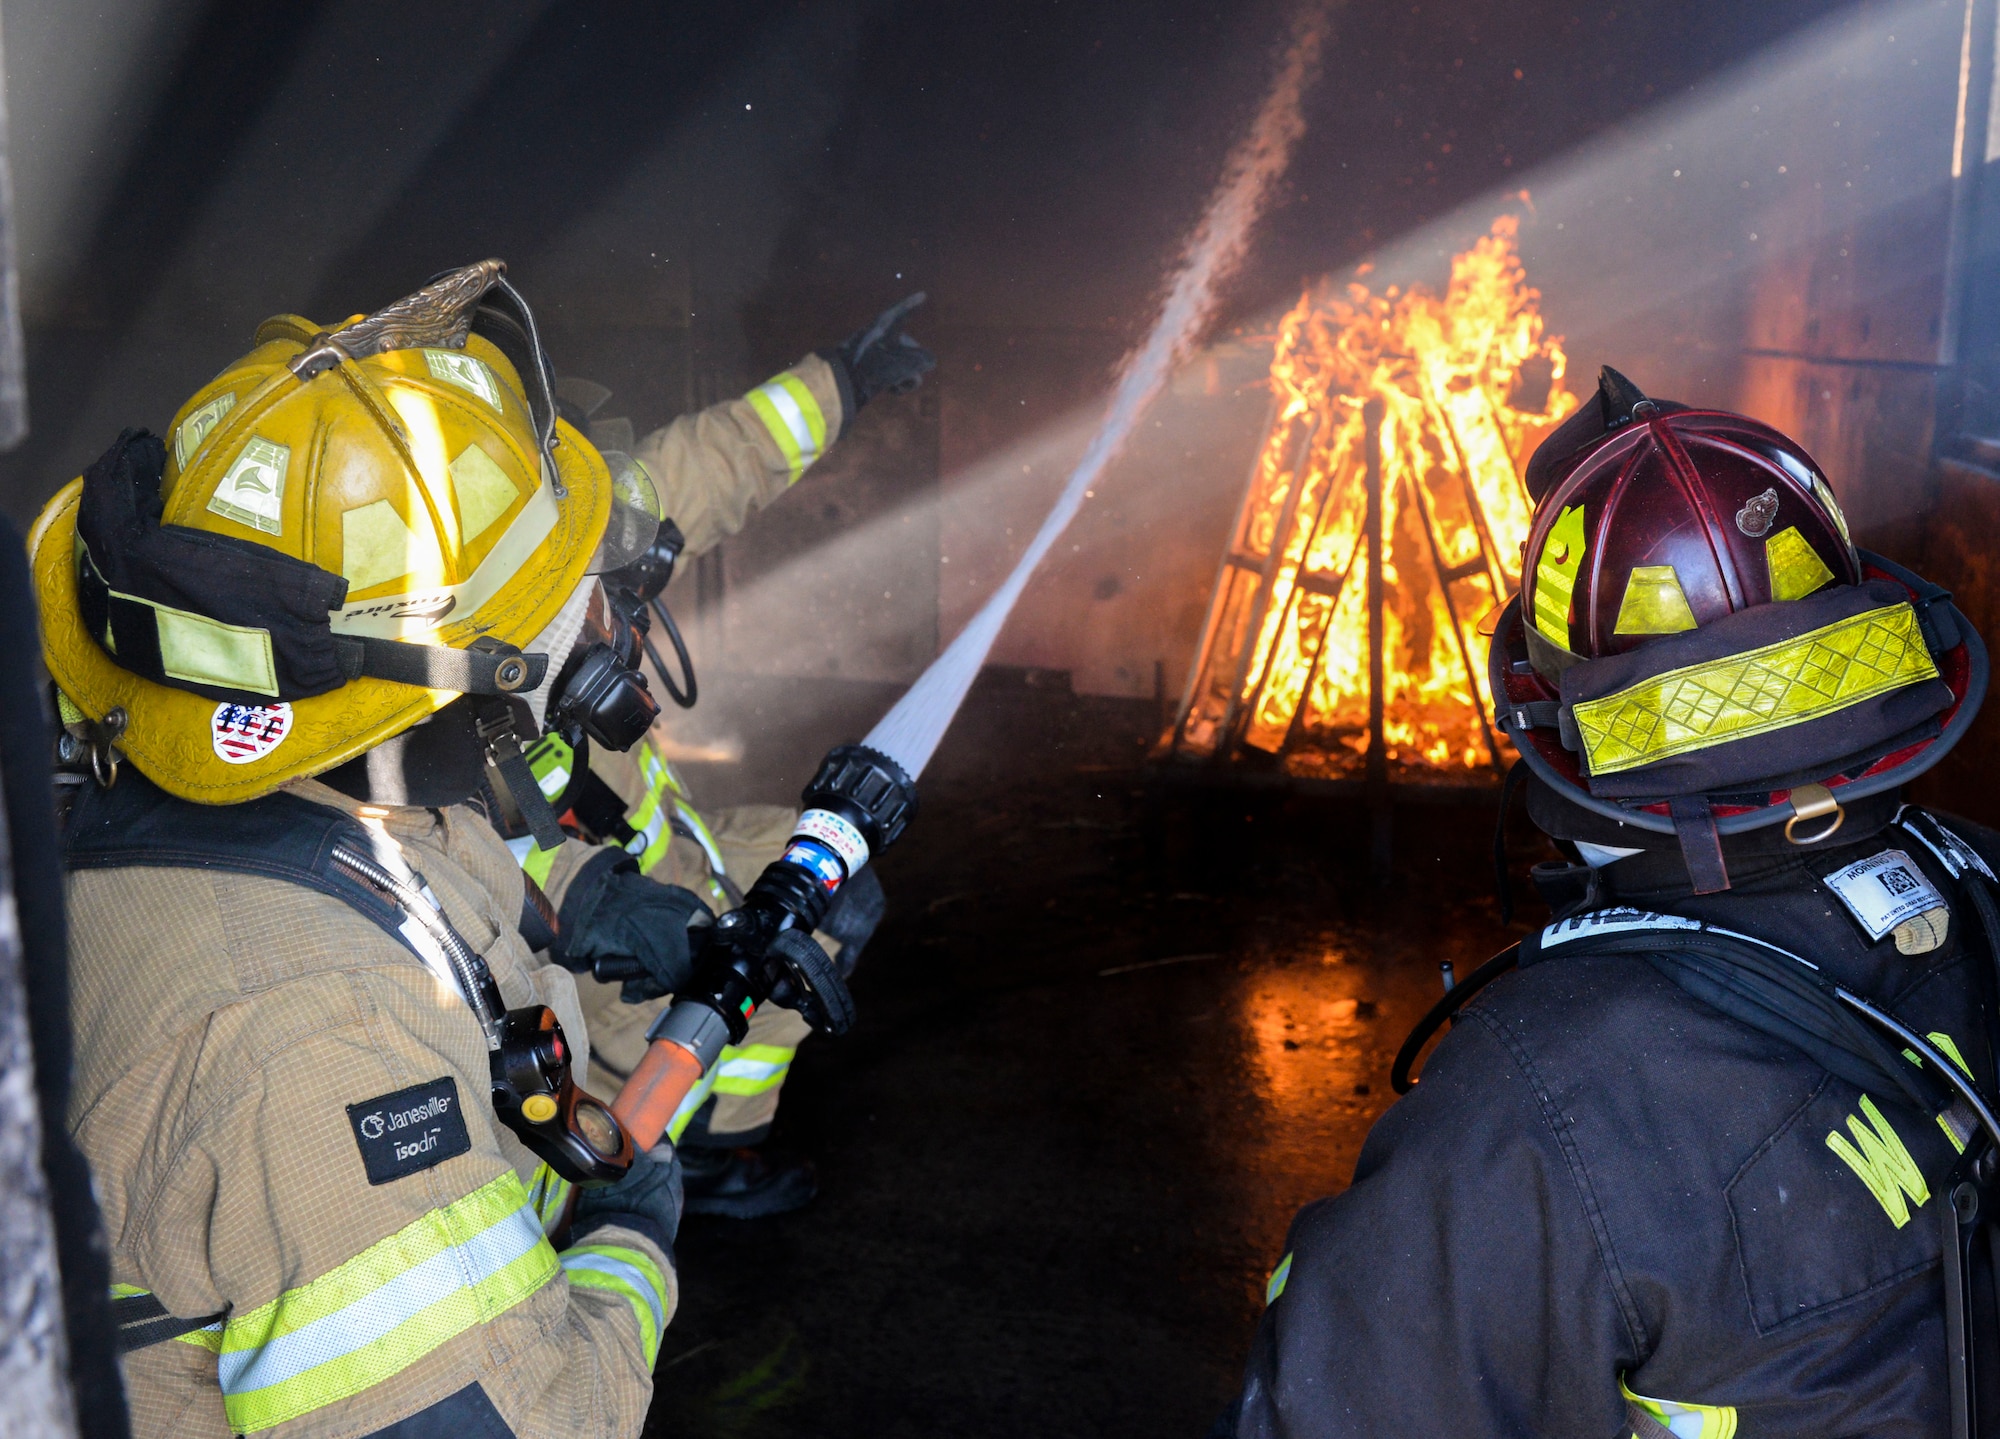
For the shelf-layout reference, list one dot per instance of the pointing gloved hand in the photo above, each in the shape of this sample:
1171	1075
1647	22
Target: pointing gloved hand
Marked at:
647	1199
883	358
618	924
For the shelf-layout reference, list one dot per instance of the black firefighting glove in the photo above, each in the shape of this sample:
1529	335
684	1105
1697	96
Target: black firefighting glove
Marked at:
620	925
647	1199
883	358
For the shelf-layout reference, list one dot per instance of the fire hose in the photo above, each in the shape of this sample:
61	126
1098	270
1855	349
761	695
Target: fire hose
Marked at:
763	951
863	796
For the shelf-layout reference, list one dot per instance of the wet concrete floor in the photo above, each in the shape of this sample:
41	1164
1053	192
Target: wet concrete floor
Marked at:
1105	1051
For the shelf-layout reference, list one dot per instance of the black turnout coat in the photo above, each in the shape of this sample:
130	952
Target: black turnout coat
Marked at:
1603	1188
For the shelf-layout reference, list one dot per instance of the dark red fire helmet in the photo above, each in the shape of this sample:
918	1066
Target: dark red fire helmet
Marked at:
1699	648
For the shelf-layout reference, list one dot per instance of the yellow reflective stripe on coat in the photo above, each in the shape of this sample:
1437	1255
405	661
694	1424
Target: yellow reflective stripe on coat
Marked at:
651	820
750	1069
1818	674
690	1106
384	1309
793	417
1685	1421
753	1068
549	1193
626	1272
1276	1286
535	861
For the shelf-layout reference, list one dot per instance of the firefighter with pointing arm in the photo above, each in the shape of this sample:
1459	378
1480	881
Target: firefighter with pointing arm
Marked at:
327	1039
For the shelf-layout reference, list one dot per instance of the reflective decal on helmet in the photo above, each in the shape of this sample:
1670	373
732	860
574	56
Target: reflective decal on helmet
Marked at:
376	546
200	425
253	492
1820	673
1555	576
1796	568
483	489
395	616
468	372
1654	603
242	734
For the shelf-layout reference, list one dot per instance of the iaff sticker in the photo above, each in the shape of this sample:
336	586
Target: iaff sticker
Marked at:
820	860
245	733
1883	891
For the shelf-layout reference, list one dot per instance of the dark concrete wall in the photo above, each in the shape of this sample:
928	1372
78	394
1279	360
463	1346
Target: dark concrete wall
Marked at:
694	196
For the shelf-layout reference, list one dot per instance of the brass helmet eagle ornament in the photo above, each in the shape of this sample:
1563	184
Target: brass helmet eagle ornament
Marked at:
345	531
1698	648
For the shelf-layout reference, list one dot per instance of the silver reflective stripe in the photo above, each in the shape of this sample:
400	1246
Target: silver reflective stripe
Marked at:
751	1068
1611	921
631	1274
794	418
372	1316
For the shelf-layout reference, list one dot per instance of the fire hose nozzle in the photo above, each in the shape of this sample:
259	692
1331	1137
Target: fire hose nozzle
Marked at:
866	788
858	804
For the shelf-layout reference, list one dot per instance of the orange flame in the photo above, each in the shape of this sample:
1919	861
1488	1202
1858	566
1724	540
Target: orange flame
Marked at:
1284	665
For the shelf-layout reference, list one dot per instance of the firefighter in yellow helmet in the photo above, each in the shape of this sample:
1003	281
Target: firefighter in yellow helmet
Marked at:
710	471
324	1081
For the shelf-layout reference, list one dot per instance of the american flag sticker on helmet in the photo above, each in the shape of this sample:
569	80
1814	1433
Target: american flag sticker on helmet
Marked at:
243	733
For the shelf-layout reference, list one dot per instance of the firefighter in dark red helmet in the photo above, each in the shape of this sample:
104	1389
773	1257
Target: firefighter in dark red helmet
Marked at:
1711	1154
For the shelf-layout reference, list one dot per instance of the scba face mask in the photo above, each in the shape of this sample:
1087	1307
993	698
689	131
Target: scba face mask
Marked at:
600	691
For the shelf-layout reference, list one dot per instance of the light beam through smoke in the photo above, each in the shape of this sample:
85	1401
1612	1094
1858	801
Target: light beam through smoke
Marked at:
910	732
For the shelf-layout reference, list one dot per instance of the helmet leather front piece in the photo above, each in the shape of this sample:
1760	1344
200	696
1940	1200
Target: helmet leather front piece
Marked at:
412	473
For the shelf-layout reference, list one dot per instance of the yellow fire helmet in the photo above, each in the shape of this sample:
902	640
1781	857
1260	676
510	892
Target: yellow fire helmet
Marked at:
343	532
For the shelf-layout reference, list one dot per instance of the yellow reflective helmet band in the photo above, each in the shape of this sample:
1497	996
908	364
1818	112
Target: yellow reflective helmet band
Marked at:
1654	603
1555	575
1779	685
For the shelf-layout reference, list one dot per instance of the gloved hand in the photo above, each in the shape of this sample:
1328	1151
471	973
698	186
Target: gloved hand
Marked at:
611	911
882	357
647	1199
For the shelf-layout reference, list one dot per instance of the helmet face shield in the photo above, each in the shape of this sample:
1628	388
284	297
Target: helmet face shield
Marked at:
636	513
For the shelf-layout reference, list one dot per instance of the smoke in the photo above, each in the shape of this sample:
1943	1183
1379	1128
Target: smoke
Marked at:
911	731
